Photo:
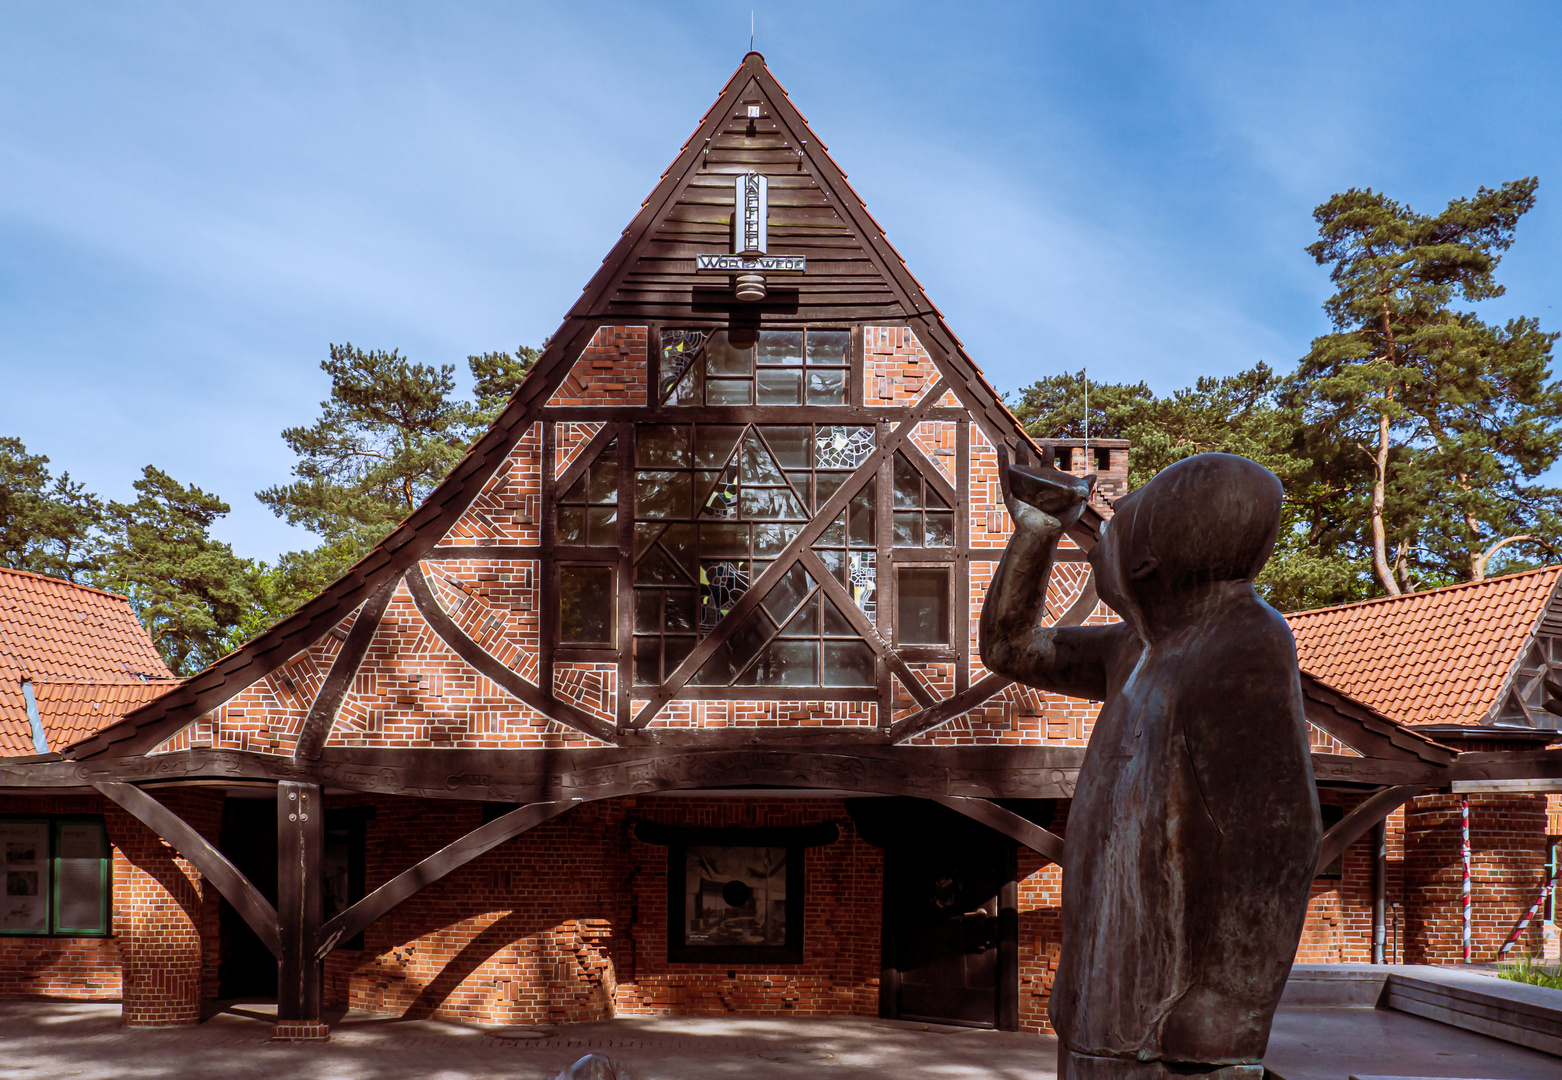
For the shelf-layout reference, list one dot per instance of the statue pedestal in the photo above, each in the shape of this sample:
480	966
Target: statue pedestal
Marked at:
1072	1066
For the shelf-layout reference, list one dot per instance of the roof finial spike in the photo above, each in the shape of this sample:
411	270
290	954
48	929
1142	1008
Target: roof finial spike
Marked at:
750	29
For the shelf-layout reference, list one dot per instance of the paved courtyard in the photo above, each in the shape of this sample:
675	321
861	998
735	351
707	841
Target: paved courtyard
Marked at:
67	1039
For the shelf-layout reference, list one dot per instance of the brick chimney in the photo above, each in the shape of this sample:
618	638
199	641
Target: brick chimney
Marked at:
1107	458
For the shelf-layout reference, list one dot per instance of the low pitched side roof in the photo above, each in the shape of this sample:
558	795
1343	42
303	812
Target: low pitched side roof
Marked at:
87	656
1442	656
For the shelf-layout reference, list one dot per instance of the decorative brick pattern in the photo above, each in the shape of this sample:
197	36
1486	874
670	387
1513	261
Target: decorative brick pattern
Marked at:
593	687
896	369
772	713
508	510
413	690
495	601
1324	743
936	440
611	371
570	437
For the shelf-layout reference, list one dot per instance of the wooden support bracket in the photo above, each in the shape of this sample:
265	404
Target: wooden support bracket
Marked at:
1354	825
1047	844
252	907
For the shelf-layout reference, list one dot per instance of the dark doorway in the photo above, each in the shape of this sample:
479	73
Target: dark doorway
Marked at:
249	840
950	914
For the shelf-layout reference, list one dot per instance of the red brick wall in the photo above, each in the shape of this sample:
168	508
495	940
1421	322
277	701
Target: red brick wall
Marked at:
568	921
612	370
1041	929
162	955
1507	842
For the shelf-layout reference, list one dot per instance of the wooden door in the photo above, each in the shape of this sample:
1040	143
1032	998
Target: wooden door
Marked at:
947	930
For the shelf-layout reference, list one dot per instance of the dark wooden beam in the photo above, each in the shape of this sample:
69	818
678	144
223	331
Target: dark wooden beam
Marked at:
1353	825
365	912
946	710
487	664
1508	765
339	680
252	907
1047	844
300	893
1378	772
1364	729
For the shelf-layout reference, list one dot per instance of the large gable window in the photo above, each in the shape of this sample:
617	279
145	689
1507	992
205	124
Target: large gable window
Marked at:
778	367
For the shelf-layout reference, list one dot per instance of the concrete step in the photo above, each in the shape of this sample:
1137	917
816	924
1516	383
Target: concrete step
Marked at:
1514	1012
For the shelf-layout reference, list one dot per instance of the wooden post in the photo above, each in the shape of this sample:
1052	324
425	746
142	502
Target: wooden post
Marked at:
300	845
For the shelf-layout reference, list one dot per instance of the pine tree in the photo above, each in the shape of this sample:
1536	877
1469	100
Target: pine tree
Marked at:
190	591
48	524
1454	418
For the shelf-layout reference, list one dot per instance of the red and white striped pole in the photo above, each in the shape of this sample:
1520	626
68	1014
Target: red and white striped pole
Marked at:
1464	828
1518	931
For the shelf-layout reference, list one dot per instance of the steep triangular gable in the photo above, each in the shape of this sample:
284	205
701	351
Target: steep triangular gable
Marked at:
647	276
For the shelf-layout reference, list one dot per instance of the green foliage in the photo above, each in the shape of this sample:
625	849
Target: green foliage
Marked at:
190	591
496	376
1454	418
48	524
1526	970
1238	414
385	438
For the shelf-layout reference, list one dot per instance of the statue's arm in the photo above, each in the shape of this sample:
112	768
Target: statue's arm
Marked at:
1069	660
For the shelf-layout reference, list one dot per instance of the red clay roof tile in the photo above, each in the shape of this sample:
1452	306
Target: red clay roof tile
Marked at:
1434	657
87	655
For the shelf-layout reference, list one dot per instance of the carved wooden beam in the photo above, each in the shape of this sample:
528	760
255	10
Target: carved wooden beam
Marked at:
1351	827
1045	843
457	853
339	680
213	865
1378	772
487	664
822	520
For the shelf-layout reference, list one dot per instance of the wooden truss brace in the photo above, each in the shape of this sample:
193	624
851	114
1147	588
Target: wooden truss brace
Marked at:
213	865
855	615
1351	827
316	729
1047	844
803	541
457	853
487	664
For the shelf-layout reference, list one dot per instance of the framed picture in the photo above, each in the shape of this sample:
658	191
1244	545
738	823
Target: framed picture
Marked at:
735	896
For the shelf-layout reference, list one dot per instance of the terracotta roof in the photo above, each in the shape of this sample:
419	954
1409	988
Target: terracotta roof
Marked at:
1435	657
84	651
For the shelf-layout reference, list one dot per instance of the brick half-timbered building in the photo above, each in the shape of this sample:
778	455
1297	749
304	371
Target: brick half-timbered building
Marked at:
668	699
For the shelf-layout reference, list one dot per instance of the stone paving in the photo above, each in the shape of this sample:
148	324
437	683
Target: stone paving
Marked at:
51	1039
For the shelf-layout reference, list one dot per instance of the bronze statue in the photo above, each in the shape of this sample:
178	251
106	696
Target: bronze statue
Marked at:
1194	829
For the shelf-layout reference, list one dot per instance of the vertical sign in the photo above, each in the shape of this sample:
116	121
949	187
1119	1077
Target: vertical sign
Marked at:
751	203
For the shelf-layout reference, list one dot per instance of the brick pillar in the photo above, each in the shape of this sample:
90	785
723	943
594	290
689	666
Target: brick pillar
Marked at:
1507	870
160	913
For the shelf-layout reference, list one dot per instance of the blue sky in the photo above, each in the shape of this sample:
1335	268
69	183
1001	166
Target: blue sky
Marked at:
195	199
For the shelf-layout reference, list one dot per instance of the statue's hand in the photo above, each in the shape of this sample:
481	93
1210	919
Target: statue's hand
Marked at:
1043	498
